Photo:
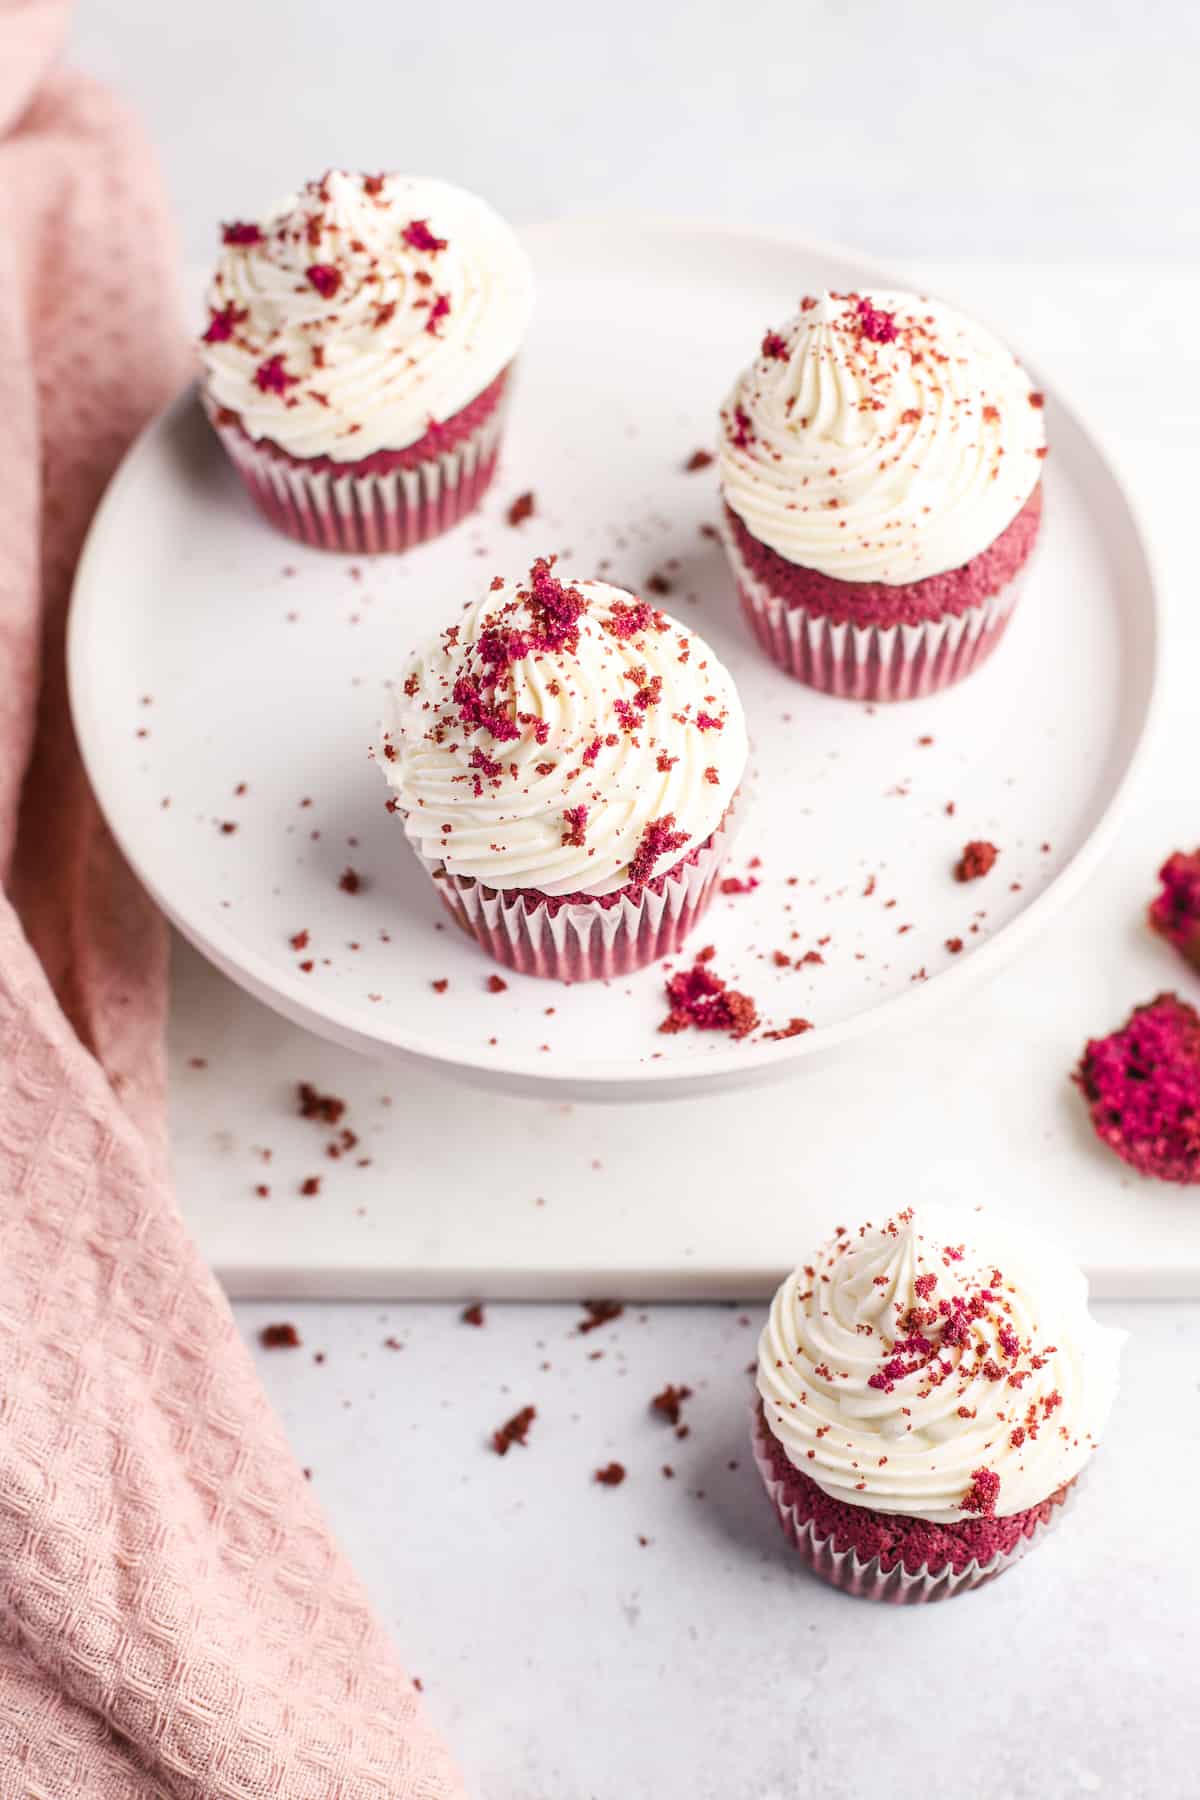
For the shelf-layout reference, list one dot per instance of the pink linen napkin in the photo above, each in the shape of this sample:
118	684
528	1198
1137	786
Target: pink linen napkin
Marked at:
175	1618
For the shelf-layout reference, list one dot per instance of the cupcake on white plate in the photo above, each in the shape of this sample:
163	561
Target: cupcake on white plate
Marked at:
566	760
358	353
881	463
926	1407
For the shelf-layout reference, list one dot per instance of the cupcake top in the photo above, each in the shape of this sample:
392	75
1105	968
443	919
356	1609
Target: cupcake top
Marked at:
565	737
363	310
905	1371
883	439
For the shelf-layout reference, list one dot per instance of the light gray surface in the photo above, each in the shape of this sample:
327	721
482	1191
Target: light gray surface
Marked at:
942	128
565	1661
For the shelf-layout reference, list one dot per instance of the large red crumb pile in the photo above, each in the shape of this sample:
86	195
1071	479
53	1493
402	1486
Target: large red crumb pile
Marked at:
698	996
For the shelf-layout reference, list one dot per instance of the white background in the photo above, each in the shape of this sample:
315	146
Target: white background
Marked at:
566	1661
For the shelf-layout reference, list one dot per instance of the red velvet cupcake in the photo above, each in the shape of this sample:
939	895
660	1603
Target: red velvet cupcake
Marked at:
357	357
1142	1086
566	760
924	1412
880	467
1175	915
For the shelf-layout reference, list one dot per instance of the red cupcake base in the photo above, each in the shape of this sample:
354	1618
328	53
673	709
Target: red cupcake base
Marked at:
862	641
887	1556
581	937
389	501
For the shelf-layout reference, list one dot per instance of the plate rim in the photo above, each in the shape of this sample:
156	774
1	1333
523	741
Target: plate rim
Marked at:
736	1065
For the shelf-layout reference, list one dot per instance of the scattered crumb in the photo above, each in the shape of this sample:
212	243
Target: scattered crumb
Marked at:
313	1105
283	1336
612	1475
514	1431
669	1402
521	509
473	1315
599	1312
977	858
699	459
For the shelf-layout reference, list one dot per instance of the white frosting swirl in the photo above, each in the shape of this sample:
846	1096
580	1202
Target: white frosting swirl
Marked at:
616	740
390	303
899	1363
877	457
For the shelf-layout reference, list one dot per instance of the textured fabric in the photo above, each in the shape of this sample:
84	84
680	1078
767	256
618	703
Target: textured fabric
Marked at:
175	1619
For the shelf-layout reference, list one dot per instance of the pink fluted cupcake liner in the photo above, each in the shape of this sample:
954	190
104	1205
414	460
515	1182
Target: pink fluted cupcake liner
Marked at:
869	1580
896	662
331	507
589	939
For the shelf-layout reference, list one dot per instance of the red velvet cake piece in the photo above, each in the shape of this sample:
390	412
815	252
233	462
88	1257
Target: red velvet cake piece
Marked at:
1142	1084
1175	914
920	1545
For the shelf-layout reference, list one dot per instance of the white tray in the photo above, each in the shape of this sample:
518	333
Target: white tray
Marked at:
260	663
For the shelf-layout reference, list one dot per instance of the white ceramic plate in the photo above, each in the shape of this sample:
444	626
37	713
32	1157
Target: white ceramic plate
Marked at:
207	652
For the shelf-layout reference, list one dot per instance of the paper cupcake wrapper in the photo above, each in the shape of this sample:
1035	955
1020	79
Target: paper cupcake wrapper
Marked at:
589	941
871	662
868	1580
369	513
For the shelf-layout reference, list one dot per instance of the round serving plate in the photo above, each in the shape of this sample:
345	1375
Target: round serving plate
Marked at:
226	684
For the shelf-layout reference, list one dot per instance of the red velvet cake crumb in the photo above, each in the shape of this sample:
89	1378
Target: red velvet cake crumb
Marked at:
521	509
325	278
310	1186
350	881
514	1431
1142	1085
279	1337
879	326
237	232
222	322
1175	915
599	1312
418	235
612	1475
699	459
659	839
976	860
669	1403
496	984
313	1105
699	997
922	1547
473	1315
271	377
793	1028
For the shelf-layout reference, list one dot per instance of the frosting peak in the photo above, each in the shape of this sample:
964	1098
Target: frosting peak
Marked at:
563	736
377	305
904	1371
880	438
